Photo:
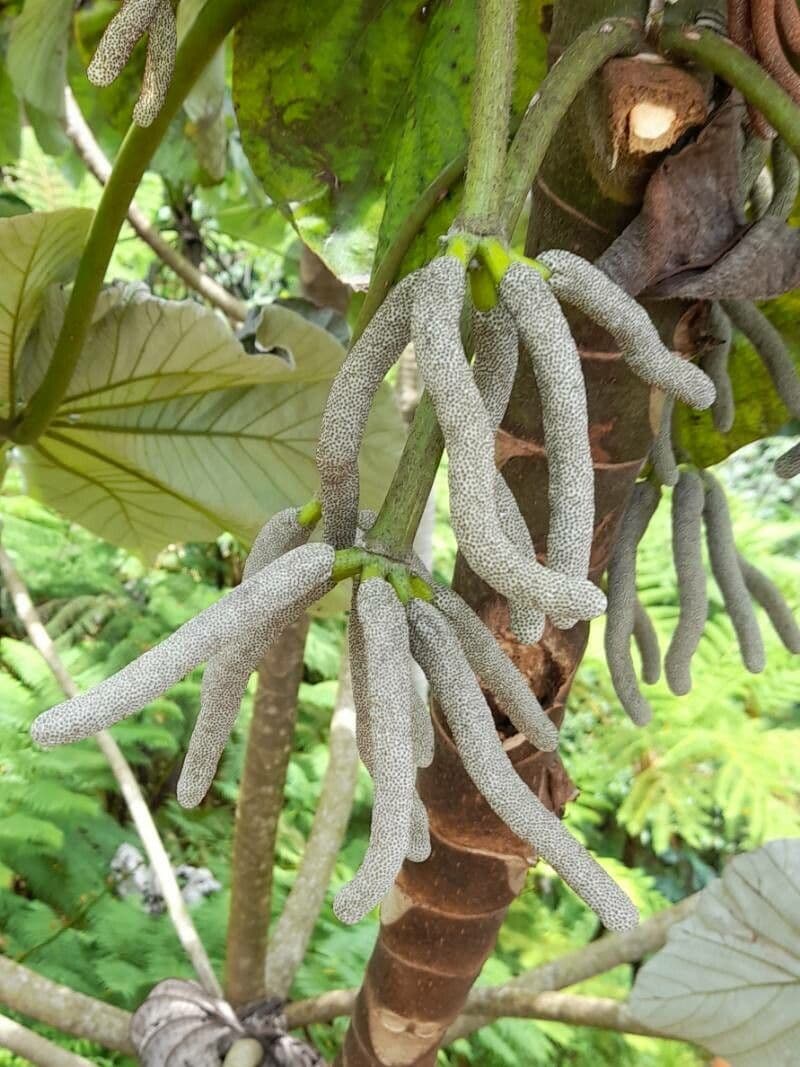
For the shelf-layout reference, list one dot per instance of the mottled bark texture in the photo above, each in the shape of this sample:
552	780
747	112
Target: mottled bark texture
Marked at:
269	747
441	920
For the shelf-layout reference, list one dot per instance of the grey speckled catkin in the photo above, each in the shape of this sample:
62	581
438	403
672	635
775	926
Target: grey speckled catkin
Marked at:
767	594
728	575
496	345
228	672
135	19
771	348
788	465
687	538
642	504
348	406
507	685
586	288
437	650
562	396
470	447
271	599
661	454
715	364
646	638
384	632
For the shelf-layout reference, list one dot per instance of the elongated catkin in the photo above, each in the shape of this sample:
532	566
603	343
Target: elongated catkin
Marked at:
562	395
496	345
661	454
348	406
470	446
271	599
388	682
646	638
767	594
788	465
728	575
642	504
437	650
589	290
688	500
715	364
770	346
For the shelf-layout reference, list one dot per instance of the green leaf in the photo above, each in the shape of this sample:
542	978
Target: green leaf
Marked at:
19	827
9	120
205	102
759	410
37	54
37	250
171	431
383	95
729	975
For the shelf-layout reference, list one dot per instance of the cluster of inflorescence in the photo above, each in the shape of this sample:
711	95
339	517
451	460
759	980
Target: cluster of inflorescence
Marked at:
156	19
697	499
398	612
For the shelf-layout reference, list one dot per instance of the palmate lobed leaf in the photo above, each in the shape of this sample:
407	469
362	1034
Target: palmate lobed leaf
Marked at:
729	975
171	431
346	107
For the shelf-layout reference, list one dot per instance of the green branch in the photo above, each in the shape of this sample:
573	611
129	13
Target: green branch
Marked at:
546	111
734	66
207	33
491	110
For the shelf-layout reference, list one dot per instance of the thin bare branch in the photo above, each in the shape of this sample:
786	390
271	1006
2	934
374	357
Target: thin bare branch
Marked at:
293	930
80	133
269	747
59	1006
129	787
38	1050
533	995
565	1008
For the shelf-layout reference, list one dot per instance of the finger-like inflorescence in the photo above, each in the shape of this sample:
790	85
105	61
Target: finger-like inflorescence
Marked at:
646	638
469	441
228	672
688	501
507	685
387	679
348	406
421	727
767	594
496	346
662	455
620	621
788	465
771	348
728	574
437	650
562	396
135	19
588	289
715	364
270	600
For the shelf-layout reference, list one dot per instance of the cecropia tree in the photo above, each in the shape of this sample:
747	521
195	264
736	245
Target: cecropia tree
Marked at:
567	382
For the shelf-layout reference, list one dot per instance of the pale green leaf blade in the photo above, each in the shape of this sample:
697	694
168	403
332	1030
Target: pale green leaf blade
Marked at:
111	500
165	393
37	54
36	250
729	975
9	120
205	102
144	349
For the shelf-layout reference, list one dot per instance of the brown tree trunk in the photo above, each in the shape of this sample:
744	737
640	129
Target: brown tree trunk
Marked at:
269	747
441	921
